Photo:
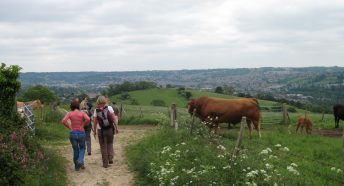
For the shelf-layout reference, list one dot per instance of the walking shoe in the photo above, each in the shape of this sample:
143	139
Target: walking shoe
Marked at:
82	166
105	166
89	154
111	162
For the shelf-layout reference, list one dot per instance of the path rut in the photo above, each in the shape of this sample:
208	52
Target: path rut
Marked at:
117	173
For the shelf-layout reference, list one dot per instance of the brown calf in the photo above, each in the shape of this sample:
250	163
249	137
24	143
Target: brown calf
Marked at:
304	122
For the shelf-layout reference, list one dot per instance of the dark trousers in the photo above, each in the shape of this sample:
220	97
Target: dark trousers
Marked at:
106	137
88	139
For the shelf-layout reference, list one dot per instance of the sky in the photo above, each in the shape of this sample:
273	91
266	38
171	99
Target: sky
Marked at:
136	35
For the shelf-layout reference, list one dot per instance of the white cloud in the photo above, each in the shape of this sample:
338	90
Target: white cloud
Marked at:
61	35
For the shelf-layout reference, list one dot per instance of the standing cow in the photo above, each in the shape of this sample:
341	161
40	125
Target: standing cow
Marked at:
338	111
304	122
227	110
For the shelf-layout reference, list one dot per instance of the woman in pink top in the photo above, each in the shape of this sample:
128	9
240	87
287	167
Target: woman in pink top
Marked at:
77	134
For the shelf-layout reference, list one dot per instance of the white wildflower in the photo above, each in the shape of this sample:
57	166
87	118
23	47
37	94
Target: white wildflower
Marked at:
268	166
226	167
166	149
333	168
272	157
339	171
293	164
190	171
221	147
293	170
220	156
278	145
264	152
268	149
285	149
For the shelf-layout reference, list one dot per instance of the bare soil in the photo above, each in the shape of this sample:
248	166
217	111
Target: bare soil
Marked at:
335	133
118	173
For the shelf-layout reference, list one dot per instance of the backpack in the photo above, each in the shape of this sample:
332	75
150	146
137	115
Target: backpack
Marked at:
104	118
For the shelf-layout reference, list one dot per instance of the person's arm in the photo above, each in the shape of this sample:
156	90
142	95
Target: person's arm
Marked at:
113	117
116	124
64	121
86	119
95	123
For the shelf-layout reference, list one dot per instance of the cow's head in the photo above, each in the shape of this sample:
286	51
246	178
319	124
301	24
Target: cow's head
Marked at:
191	105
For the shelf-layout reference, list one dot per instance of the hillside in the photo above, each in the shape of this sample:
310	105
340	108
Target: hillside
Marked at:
170	95
319	87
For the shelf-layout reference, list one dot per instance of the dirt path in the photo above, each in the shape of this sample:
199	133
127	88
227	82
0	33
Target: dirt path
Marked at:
117	173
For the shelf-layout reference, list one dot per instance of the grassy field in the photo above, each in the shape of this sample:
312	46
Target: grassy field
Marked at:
49	135
281	156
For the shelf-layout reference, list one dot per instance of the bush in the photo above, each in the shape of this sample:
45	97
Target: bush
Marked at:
134	102
291	109
124	96
158	102
53	116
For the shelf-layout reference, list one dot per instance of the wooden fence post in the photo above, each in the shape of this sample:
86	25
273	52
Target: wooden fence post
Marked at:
173	115
322	117
285	119
192	121
239	140
141	115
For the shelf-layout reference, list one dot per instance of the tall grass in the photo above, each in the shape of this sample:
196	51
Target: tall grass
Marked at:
280	157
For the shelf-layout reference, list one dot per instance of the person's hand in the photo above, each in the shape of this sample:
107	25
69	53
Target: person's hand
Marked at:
117	131
94	134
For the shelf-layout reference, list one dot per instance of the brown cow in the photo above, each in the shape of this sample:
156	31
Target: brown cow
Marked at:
35	104
227	110
304	122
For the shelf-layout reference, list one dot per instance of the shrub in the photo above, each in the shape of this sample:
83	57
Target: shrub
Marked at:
291	109
124	96
134	102
53	116
158	102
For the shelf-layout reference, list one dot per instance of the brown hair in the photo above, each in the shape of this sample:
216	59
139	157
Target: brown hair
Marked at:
74	104
101	100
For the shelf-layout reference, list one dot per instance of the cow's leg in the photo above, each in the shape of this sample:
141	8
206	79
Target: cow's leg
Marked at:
297	127
301	129
336	122
257	127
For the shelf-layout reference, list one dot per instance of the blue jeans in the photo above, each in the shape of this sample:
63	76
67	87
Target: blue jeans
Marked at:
77	139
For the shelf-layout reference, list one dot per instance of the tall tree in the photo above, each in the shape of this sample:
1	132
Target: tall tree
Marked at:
39	92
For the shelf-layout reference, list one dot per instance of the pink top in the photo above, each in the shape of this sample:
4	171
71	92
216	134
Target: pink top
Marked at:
78	119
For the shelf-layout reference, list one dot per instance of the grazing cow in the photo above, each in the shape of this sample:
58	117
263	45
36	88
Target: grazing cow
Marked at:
304	122
35	104
338	111
227	110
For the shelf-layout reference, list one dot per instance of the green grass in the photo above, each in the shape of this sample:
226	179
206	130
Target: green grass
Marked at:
49	172
52	170
162	158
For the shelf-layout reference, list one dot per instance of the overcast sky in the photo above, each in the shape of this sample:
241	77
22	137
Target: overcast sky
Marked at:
127	35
